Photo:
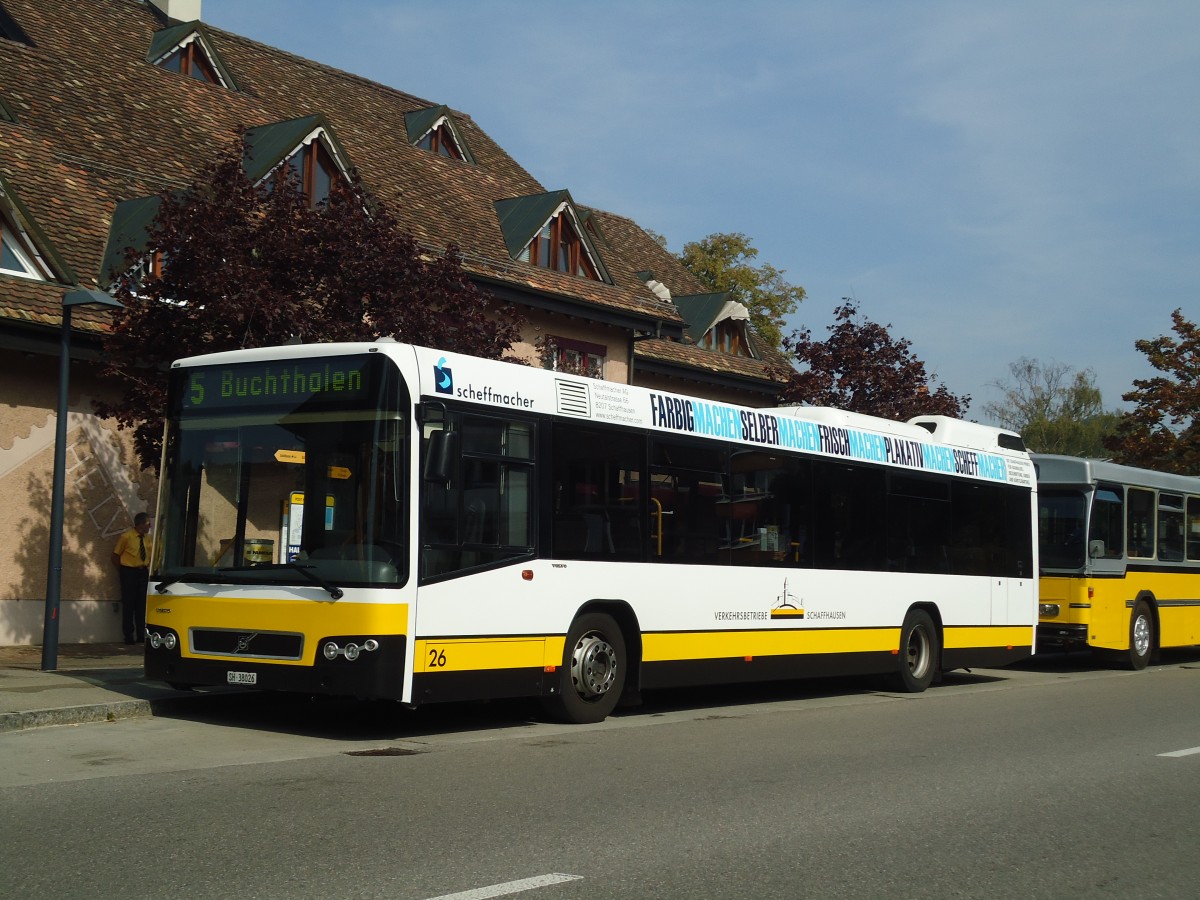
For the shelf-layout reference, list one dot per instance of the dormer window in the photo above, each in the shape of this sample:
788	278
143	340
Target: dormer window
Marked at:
191	60
433	130
727	337
544	231
187	50
440	140
17	257
315	171
557	246
306	147
11	30
716	323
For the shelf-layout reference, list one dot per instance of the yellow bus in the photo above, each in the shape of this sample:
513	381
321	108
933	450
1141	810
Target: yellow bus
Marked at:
1119	549
382	520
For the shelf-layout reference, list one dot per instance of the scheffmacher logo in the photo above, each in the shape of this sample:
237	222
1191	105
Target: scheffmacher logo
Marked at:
443	377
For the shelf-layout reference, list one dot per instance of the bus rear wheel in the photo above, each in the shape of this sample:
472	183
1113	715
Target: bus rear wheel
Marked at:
592	676
918	660
1141	635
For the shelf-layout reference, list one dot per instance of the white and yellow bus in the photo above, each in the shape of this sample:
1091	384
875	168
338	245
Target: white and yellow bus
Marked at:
383	520
1120	557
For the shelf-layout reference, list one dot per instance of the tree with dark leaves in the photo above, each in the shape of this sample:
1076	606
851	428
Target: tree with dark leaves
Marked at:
234	265
860	367
1162	432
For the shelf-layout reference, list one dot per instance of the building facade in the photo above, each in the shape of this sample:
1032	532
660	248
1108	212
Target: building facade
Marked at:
107	104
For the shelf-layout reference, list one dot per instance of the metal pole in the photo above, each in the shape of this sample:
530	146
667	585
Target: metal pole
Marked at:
54	562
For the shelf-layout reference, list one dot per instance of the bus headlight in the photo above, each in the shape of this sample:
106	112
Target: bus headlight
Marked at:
1048	609
351	651
156	641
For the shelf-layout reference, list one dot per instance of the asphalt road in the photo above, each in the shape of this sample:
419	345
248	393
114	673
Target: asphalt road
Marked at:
1046	780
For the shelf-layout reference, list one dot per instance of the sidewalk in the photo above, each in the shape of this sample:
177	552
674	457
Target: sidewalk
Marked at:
93	683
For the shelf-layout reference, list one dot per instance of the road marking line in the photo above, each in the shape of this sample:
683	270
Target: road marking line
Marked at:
510	887
1191	751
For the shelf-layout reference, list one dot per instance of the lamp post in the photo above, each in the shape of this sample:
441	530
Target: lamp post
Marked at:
71	299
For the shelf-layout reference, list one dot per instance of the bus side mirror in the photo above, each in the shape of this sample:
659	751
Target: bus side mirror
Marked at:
440	457
1096	549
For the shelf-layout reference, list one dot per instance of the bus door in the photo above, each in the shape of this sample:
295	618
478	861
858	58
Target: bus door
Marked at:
1106	531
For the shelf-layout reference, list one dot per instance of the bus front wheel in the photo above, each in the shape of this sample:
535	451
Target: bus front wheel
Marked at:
1141	635
918	659
593	671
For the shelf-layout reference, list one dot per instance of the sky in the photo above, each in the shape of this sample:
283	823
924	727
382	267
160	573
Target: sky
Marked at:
994	180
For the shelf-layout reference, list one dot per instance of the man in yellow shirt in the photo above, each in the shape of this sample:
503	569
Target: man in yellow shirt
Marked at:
131	558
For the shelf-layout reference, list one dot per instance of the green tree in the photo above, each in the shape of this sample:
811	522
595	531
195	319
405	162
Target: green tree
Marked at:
1163	430
1054	408
860	367
247	265
724	263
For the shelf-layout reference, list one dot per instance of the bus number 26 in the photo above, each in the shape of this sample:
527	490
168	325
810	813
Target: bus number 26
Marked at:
437	658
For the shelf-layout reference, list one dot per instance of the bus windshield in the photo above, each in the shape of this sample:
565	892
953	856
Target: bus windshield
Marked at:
286	472
1061	531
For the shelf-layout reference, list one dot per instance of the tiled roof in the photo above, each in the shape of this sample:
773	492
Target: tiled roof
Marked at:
96	125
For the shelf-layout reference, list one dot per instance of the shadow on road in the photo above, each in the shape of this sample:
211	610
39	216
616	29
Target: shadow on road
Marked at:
357	720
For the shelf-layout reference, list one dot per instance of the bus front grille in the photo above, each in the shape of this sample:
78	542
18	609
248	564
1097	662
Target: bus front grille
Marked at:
250	644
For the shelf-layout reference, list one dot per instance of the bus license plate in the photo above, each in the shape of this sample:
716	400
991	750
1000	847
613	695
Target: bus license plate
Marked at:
241	677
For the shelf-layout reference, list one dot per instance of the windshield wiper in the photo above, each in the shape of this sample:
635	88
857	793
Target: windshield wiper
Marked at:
307	571
207	577
201	577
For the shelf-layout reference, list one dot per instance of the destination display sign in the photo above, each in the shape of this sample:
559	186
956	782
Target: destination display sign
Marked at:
328	382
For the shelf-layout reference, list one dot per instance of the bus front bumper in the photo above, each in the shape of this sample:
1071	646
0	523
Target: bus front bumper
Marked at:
376	673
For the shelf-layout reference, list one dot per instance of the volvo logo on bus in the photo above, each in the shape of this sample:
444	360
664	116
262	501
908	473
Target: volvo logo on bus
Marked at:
243	643
443	377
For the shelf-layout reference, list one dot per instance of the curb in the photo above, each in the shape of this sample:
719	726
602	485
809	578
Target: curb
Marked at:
75	715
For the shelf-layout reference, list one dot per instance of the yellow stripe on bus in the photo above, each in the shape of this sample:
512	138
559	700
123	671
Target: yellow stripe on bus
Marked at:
472	654
312	618
477	654
963	638
727	644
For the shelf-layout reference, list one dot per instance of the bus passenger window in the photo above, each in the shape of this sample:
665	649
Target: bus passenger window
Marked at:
687	481
764	520
1170	527
597	505
851	502
1140	523
1193	528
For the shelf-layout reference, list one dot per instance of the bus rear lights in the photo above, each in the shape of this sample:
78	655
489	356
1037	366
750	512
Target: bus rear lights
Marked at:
156	640
351	651
1048	609
527	574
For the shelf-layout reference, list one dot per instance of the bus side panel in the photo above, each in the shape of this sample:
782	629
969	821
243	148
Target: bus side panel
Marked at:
1176	596
700	624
